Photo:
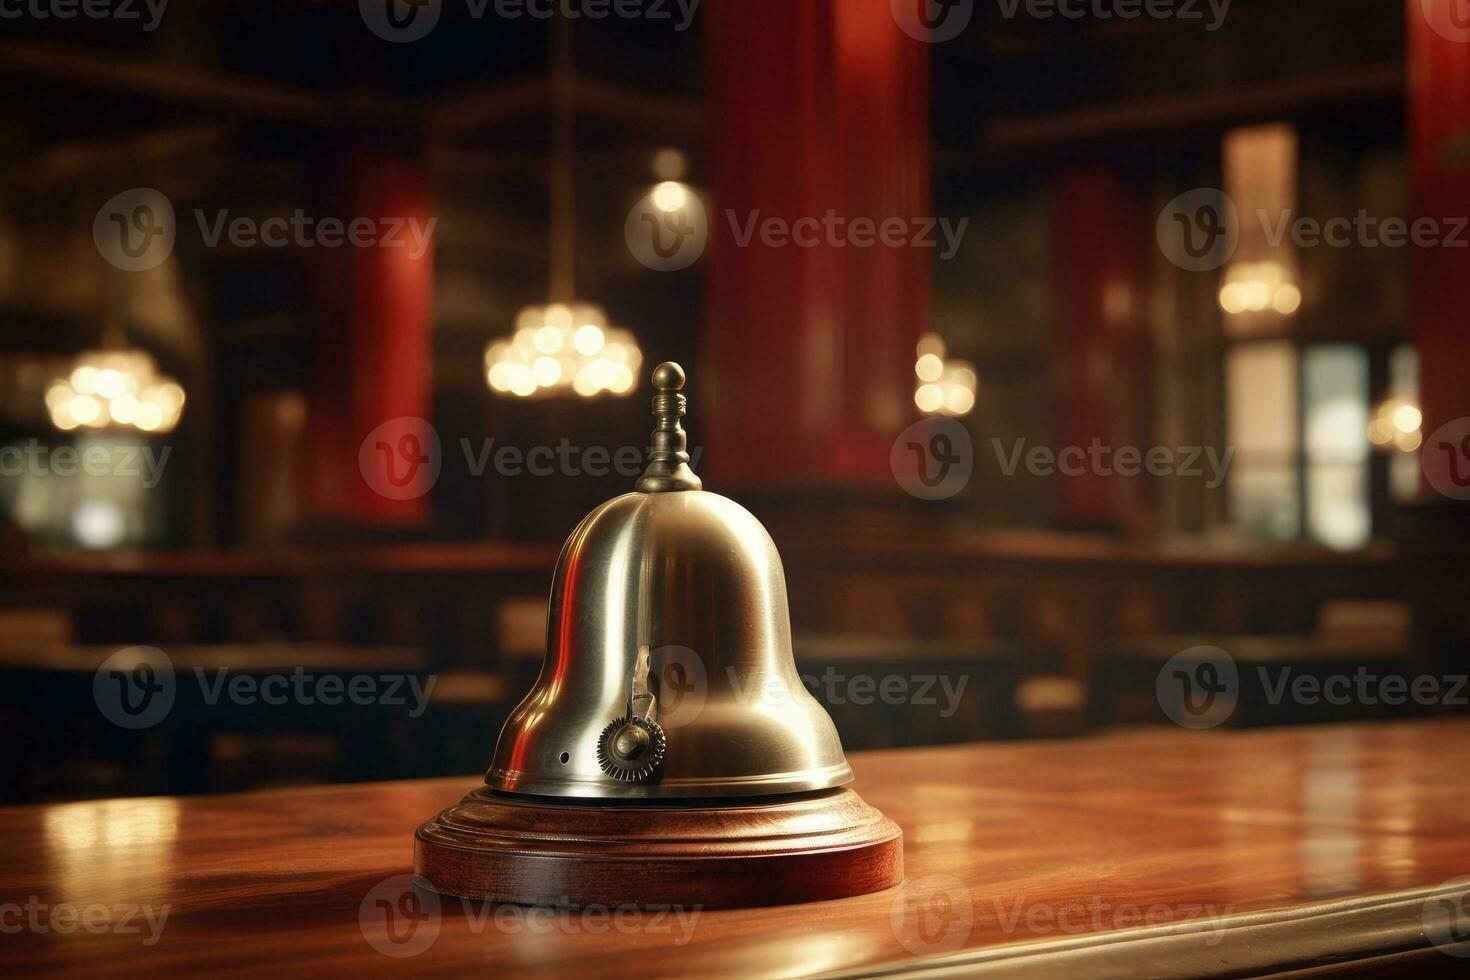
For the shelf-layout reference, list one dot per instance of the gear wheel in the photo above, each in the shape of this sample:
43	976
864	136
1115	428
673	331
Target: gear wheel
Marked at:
630	749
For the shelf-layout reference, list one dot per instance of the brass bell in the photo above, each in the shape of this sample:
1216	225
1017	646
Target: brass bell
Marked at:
668	754
669	671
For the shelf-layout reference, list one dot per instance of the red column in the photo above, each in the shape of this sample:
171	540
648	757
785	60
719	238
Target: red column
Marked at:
1439	119
372	336
1099	269
816	107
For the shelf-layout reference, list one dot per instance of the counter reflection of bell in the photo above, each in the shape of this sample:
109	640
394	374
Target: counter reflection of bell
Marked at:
669	752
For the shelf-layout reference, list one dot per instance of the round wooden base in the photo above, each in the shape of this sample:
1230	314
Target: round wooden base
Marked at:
804	848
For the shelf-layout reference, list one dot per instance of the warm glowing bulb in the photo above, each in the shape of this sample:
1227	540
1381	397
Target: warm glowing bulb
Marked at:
109	383
588	339
123	409
169	395
85	409
670	196
58	394
585	383
1256	295
522	381
1408	441
1232	298
84	380
548	339
932	343
1288	299
150	417
929	367
958	399
1407	418
500	376
547	371
929	398
559	315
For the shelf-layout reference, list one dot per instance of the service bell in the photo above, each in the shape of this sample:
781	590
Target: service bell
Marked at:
669	671
668	754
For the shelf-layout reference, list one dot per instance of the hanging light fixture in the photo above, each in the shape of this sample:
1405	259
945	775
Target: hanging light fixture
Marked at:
944	387
565	346
115	389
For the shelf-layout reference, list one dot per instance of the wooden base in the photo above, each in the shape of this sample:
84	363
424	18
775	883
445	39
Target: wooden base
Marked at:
534	851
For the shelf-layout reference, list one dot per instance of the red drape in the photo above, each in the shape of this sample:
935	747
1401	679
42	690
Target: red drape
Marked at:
817	107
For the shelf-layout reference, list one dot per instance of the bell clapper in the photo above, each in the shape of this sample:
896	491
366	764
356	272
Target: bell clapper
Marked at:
631	748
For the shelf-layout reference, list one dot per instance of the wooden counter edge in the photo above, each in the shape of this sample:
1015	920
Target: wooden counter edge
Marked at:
1336	934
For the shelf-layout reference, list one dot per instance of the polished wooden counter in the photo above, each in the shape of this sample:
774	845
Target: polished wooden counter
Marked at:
1150	853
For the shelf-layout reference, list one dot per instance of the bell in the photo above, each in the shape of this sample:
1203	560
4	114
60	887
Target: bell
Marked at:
668	752
669	671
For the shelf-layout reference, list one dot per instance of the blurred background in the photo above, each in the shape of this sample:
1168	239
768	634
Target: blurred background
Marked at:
1053	342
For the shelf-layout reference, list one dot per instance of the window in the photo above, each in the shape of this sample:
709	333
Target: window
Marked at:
1261	393
1335	403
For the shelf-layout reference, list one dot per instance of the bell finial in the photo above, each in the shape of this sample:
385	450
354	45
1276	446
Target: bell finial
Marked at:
668	456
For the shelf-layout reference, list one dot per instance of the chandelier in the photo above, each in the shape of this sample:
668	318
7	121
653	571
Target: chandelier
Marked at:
566	345
112	389
563	347
943	386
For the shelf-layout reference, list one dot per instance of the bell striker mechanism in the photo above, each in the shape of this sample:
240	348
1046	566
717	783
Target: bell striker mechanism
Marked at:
668	752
